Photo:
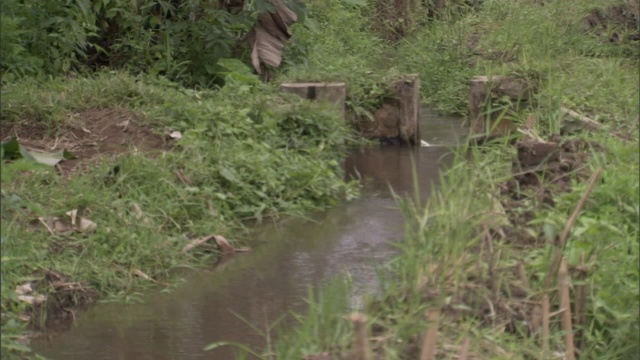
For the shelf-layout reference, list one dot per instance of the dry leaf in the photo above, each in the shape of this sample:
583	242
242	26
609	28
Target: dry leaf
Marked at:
55	225
137	211
143	275
24	289
268	36
87	226
37	299
60	225
73	214
196	242
224	244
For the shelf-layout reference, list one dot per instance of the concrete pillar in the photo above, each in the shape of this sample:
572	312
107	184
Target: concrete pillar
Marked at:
407	92
397	118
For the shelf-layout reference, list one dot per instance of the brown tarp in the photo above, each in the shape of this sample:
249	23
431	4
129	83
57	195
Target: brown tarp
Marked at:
269	35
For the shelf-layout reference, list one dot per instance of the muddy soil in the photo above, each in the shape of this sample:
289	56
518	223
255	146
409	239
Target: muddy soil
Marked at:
89	135
618	23
542	169
64	300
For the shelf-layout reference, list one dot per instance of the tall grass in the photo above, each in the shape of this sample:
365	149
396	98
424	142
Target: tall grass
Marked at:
444	252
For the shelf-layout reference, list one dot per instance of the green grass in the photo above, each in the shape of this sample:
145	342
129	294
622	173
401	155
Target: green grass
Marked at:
249	152
444	260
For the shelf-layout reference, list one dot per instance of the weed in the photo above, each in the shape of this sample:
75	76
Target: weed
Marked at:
246	153
453	256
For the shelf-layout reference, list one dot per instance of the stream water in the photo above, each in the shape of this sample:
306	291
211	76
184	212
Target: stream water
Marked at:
257	288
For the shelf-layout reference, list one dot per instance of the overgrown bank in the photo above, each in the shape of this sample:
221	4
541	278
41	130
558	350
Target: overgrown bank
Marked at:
245	153
479	260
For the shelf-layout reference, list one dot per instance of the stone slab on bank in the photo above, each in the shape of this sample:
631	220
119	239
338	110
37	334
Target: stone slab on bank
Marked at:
483	90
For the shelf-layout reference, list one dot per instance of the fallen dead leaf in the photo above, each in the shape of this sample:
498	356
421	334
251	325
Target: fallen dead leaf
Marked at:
56	225
87	226
73	214
196	242
32	300
222	243
24	289
143	275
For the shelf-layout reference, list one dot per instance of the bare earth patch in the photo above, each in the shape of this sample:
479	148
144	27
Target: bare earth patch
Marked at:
613	19
89	135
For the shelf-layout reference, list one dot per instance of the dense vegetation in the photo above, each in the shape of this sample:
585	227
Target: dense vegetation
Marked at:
71	70
248	153
181	40
580	56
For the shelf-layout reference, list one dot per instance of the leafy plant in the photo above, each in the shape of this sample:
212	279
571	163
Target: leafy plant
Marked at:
182	41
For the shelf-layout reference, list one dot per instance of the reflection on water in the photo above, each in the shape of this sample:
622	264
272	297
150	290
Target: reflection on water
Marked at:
259	287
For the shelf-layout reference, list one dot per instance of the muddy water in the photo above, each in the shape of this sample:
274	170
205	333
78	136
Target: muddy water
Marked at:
255	289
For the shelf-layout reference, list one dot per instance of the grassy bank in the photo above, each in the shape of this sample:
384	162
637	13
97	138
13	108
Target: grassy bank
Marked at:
476	256
246	153
480	255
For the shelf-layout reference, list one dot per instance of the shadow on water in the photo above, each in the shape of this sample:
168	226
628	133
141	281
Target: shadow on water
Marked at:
256	289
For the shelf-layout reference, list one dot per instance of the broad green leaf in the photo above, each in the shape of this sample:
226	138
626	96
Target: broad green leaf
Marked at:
50	159
10	149
242	78
234	66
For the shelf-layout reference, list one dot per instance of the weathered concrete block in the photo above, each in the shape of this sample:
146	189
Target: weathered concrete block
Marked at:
482	89
333	93
408	96
397	119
